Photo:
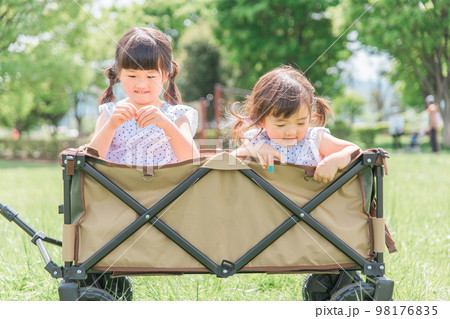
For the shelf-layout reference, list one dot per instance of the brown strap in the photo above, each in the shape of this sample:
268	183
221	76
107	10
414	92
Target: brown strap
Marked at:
70	167
390	243
70	164
381	159
355	154
309	172
91	151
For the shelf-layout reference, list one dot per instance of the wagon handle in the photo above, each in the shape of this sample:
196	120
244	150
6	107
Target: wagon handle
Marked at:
11	215
38	239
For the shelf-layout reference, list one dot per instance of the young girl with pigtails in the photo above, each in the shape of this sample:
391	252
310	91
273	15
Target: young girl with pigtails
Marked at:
142	129
282	119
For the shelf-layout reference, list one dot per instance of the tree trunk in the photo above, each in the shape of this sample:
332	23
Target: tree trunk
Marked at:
446	118
79	125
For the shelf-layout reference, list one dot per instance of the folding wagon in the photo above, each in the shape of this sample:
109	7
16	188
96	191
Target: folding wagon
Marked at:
218	215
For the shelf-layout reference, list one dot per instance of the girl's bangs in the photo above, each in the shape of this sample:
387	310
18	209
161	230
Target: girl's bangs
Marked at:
288	103
141	56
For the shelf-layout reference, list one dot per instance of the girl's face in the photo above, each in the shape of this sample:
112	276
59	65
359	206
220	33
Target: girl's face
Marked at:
143	87
287	131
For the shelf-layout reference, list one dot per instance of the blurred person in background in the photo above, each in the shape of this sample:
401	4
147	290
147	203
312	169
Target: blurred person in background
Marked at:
396	126
433	123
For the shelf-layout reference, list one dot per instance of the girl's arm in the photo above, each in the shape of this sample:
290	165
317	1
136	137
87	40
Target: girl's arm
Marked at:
180	138
106	127
337	153
103	136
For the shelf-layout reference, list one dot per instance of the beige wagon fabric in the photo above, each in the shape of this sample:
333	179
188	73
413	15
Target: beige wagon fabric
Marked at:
223	215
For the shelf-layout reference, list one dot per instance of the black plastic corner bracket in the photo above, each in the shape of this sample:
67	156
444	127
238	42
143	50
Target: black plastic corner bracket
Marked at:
370	159
74	273
373	269
226	269
54	270
78	160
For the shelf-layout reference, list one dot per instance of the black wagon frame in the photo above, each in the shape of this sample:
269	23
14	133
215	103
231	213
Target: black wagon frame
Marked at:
71	274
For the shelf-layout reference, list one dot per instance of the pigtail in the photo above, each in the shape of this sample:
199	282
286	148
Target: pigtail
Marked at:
240	124
172	94
108	94
321	110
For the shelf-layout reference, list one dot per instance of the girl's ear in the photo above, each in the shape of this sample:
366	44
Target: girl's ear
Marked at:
262	123
165	77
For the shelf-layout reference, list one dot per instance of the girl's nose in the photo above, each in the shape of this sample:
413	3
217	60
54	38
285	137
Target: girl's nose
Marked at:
141	84
291	131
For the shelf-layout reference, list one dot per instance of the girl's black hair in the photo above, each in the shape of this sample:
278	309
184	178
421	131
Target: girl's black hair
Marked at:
279	93
143	48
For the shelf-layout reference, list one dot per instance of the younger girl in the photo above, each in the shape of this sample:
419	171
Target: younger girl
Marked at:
142	129
284	120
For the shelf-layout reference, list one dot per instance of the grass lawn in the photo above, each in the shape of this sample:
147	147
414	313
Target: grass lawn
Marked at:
417	209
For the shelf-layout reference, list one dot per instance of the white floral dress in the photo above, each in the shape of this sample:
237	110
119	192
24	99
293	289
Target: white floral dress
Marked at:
305	152
146	146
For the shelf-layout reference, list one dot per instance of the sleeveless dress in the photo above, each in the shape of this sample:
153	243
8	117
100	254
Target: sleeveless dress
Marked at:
146	146
305	152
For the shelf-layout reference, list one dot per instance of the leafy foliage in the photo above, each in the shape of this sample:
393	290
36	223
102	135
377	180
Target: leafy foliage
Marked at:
261	35
348	106
201	70
416	34
47	63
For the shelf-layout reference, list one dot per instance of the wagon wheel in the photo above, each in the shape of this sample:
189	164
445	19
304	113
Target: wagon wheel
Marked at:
94	294
319	287
359	291
120	287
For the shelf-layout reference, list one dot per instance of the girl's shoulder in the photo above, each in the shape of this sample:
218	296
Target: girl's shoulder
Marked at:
106	107
315	131
315	134
256	135
176	111
179	108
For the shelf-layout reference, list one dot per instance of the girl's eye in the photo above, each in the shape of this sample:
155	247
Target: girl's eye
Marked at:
280	125
300	124
131	76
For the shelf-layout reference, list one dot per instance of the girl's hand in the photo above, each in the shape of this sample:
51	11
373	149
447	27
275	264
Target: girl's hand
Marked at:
121	113
266	154
325	171
338	154
151	114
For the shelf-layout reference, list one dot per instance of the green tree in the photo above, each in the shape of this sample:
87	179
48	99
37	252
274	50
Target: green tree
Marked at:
171	17
261	35
201	70
20	17
416	34
48	61
348	106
